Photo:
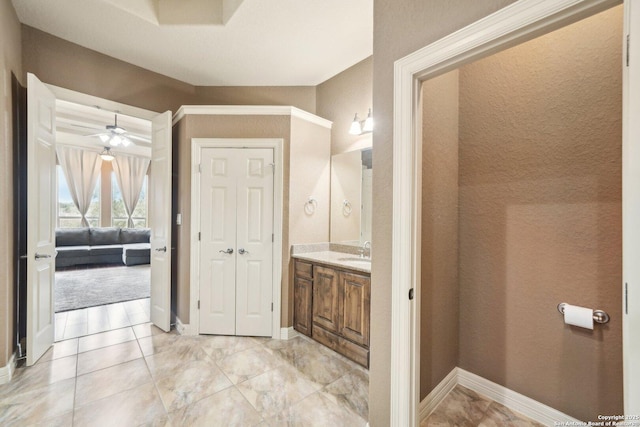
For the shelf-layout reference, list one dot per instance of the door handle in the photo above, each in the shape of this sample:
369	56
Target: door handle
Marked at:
41	256
162	249
241	251
228	251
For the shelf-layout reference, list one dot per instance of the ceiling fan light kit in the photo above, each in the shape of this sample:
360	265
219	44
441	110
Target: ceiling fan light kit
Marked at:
107	155
117	136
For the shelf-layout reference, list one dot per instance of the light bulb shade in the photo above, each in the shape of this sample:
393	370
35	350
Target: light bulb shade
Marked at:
368	123
115	141
106	155
104	138
356	128
125	141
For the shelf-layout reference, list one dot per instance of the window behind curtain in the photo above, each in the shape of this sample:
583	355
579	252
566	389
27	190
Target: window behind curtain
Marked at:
119	212
68	214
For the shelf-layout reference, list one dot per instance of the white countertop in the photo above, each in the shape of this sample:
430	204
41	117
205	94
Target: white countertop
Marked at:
337	259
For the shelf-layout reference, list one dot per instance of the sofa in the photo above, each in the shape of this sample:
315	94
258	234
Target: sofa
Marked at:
102	245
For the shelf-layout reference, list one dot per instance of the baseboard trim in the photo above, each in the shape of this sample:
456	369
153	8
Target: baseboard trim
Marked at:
513	400
288	333
184	328
437	395
7	371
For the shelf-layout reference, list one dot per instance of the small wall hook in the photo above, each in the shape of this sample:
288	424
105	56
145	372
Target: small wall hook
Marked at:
311	205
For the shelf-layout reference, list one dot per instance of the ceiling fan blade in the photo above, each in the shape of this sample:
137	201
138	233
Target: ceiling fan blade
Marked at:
84	127
139	138
95	134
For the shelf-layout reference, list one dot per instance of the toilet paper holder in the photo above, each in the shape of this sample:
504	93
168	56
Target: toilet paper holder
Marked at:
599	316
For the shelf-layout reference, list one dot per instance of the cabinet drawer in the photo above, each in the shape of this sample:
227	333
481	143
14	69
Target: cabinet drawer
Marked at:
303	269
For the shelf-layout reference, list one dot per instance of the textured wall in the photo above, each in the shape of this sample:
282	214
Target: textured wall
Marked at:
439	310
10	61
340	98
400	27
540	216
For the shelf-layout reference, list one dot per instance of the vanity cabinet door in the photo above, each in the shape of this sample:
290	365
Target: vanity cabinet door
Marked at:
355	302
303	294
326	298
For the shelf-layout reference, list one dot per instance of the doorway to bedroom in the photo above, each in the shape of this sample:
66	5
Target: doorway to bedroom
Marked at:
102	278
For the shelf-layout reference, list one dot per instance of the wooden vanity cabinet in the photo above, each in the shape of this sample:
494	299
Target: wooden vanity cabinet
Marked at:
339	303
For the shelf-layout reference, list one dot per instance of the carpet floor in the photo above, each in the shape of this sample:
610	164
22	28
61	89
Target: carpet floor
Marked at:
76	289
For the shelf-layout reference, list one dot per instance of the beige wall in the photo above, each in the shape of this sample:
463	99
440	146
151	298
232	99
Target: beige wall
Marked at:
439	284
306	151
400	27
309	175
340	98
540	216
303	97
10	61
68	65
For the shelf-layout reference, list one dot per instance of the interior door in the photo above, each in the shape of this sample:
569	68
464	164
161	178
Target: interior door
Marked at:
160	220
236	248
41	214
254	236
631	210
218	241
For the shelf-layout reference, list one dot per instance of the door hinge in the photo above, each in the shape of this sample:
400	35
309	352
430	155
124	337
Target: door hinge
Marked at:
628	51
411	294
626	298
272	238
272	307
198	304
199	167
199	235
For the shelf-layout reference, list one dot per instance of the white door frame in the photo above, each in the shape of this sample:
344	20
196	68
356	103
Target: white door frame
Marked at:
512	25
197	144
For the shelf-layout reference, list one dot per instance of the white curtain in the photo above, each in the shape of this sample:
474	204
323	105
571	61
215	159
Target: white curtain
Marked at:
81	168
130	173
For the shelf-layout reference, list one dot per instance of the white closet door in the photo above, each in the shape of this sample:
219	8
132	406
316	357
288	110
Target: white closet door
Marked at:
255	246
236	248
41	214
218	241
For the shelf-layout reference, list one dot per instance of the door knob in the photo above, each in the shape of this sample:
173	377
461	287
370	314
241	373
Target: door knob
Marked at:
162	249
41	256
241	251
228	251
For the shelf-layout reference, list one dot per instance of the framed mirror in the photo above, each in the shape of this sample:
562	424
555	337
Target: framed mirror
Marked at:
351	196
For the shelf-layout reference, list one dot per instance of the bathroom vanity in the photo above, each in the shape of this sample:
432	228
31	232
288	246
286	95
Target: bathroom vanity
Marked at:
332	298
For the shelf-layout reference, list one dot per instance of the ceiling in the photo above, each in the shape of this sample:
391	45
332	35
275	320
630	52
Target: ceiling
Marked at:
216	42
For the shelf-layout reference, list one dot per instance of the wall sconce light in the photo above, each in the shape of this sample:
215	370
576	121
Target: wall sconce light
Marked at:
359	127
107	155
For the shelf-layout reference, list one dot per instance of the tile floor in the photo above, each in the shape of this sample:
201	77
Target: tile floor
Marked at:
139	375
92	320
465	408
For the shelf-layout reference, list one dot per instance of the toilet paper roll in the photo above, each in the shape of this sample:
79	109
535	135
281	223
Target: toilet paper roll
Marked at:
578	316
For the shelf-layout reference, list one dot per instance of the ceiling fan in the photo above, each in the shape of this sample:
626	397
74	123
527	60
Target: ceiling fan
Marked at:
118	136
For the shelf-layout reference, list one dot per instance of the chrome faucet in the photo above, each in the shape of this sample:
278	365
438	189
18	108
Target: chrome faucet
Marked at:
366	245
